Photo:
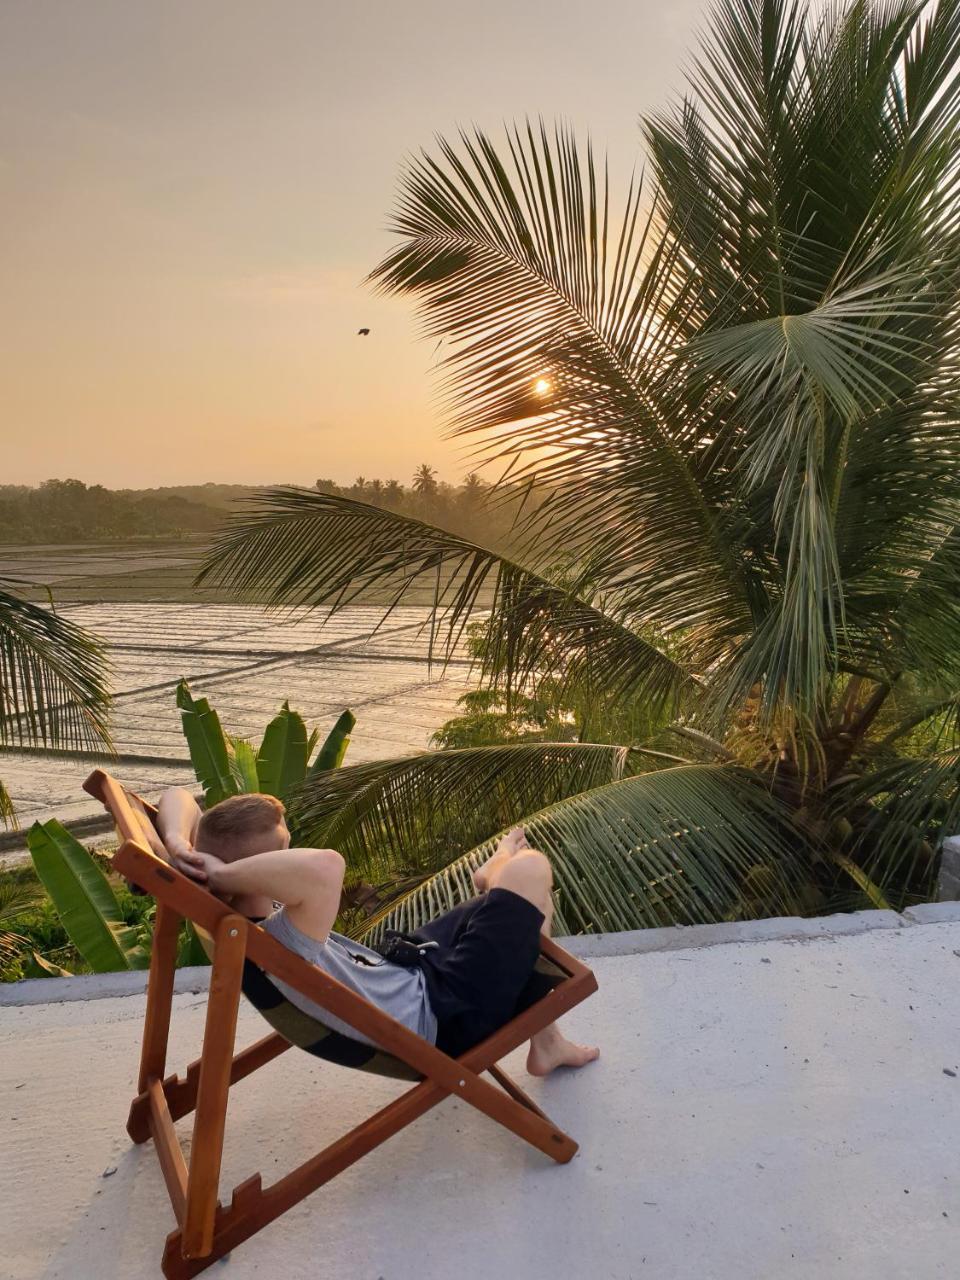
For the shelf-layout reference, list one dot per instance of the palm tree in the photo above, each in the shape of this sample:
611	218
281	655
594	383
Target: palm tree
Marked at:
53	682
425	480
471	492
737	404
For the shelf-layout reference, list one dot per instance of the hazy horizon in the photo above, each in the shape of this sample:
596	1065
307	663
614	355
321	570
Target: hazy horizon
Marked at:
194	194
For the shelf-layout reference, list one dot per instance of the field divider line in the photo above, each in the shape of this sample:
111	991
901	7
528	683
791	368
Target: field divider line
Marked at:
99	757
360	638
224	674
336	648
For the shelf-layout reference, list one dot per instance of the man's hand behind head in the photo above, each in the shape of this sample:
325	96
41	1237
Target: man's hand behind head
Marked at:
202	867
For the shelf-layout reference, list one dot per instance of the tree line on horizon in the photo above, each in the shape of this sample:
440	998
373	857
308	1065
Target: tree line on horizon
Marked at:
58	511
468	509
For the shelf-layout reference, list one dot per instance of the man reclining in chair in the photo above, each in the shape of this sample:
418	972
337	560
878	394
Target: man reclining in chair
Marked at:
473	970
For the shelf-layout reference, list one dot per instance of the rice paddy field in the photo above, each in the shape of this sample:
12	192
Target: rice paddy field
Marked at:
244	660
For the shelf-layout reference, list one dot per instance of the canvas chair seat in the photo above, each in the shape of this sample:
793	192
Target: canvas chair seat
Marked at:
315	1037
303	1031
245	959
311	1034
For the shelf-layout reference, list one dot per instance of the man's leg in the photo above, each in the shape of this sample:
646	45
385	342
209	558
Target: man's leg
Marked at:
511	843
528	874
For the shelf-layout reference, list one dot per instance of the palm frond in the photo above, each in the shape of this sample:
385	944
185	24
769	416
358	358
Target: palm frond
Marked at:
416	812
518	261
15	901
677	846
301	547
924	614
907	808
8	811
823	232
53	679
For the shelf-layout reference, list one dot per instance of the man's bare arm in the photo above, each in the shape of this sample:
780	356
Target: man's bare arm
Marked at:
177	817
306	881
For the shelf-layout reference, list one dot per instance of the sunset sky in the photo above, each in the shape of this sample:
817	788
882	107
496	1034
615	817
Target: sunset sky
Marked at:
193	192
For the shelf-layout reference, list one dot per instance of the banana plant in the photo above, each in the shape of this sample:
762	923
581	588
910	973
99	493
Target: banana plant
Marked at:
87	906
225	765
89	911
209	747
228	765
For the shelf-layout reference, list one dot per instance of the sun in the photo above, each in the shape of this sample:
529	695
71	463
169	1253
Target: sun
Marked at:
542	386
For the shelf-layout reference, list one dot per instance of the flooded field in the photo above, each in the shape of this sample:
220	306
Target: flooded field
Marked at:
246	662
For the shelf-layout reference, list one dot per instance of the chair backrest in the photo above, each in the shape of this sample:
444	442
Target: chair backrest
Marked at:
136	821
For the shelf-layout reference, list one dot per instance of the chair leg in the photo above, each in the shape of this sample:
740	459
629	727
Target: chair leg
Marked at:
181	1091
156	1025
163	967
254	1206
515	1092
213	1090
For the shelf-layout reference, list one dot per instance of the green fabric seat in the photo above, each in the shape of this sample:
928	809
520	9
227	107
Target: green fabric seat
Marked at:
308	1033
313	1036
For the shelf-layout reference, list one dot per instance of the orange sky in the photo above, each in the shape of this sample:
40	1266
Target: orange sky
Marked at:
193	193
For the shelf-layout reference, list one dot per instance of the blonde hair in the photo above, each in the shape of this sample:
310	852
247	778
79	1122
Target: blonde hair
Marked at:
227	825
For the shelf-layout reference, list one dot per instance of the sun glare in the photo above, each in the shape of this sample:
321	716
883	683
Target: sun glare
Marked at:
542	386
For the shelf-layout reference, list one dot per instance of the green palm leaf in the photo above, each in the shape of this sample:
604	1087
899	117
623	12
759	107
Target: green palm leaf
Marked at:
84	900
15	900
412	812
913	805
518	262
301	547
8	812
53	679
669	847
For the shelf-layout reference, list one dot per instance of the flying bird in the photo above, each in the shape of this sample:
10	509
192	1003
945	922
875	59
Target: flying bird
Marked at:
362	331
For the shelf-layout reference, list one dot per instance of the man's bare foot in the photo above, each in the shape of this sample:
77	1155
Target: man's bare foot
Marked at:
512	843
550	1050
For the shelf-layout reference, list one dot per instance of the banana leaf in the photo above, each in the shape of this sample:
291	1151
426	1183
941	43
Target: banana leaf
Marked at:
85	903
282	759
330	755
244	765
209	749
191	952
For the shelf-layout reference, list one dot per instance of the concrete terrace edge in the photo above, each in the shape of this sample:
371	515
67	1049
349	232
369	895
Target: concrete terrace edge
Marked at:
104	986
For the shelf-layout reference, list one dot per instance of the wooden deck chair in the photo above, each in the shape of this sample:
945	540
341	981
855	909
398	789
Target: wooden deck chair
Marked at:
244	956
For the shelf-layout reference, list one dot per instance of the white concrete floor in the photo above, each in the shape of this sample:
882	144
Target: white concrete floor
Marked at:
761	1110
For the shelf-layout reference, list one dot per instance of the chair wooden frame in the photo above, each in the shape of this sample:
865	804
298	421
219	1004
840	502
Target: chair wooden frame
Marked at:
207	1229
